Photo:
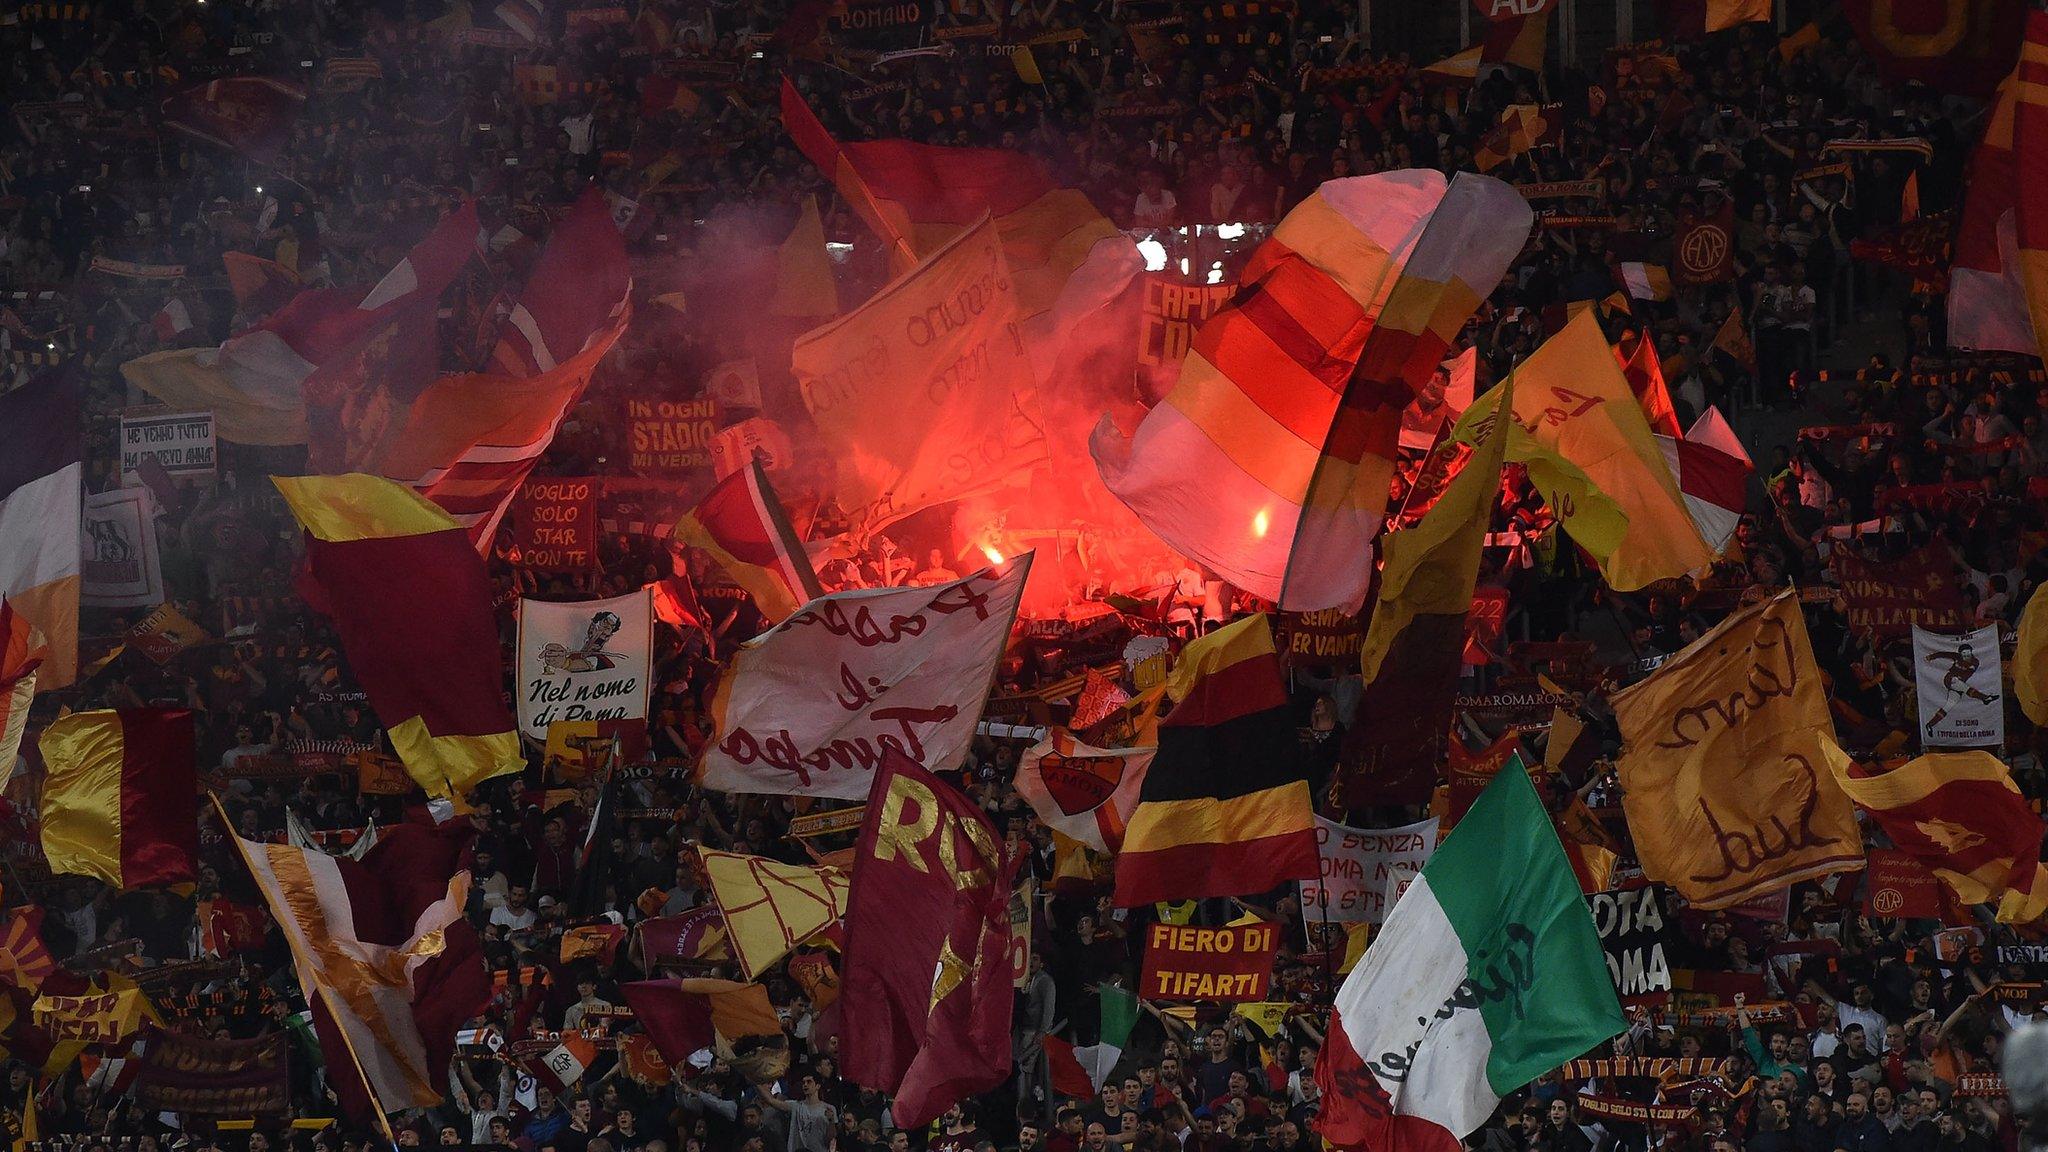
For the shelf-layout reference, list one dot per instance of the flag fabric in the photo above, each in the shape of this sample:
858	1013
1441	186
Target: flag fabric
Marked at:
1732	340
1519	40
42	490
684	1017
1909	198
1704	251
1413	650
812	706
171	321
1521	128
1224	809
659	94
1445	1015
1081	1072
1270	461
2030	660
115	796
907	424
1645	375
383	955
1084	792
1799	40
1988	303
255	383
1066	258
1957	684
803	270
164	633
1692	19
561	1067
1591	454
1644	281
1957	49
2030	167
251	114
469	440
925	987
742	525
771	907
1441	401
24	959
1727	751
412	601
1961	814
22	651
1713	472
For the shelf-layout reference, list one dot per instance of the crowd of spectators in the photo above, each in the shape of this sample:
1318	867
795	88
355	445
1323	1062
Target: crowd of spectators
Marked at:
1225	116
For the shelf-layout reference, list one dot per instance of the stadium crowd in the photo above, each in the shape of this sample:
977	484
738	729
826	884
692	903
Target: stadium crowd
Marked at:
1195	135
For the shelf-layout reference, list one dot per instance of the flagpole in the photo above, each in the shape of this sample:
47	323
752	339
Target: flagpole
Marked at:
326	997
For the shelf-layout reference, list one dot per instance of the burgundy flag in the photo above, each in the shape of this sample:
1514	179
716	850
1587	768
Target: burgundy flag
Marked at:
251	114
926	990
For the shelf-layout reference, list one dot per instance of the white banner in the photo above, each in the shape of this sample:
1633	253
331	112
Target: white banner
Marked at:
119	566
1958	679
1083	792
810	706
181	441
584	660
1356	864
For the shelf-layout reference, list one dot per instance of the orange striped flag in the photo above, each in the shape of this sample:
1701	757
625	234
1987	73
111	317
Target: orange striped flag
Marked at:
1645	375
24	958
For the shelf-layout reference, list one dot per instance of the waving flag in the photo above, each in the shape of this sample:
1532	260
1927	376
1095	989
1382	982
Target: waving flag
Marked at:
1949	45
1270	461
1961	814
42	488
742	525
115	794
770	907
1645	374
1224	809
412	602
24	959
1988	304
1514	38
1487	974
22	651
251	114
1083	792
254	383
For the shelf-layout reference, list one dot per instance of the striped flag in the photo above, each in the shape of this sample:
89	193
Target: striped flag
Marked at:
412	601
24	959
1225	808
41	500
383	955
2030	168
1961	814
742	525
22	651
254	384
1713	472
1271	459
1644	281
1990	299
1516	39
1645	375
470	440
114	796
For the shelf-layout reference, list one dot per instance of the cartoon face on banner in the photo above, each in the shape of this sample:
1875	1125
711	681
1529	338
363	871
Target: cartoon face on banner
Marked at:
584	661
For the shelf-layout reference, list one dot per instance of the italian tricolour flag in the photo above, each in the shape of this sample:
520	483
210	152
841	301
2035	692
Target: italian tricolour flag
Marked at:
1487	974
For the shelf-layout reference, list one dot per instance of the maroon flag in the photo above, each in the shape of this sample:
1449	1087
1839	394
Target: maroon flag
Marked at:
926	985
251	114
1961	47
1706	247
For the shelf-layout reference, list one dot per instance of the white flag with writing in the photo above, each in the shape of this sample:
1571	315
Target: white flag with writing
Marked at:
584	660
1958	680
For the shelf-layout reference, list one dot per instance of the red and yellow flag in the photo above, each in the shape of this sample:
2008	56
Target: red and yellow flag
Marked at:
742	525
24	958
1645	374
2030	160
21	652
117	800
1961	814
412	601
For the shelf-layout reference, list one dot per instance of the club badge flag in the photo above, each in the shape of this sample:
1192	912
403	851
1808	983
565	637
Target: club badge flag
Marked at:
1356	863
1086	793
1961	814
1590	452
812	706
42	484
118	795
1270	460
120	564
584	660
771	907
924	395
1446	1013
1225	808
1957	679
1080	1072
164	633
412	601
926	991
1220	965
1728	763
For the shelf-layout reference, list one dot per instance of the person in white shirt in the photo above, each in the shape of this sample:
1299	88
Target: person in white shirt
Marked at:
514	915
1155	205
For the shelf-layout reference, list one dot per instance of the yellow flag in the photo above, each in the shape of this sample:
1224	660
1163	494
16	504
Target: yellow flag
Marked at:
2030	659
1591	453
803	270
1431	569
1727	763
771	907
1265	1015
1026	65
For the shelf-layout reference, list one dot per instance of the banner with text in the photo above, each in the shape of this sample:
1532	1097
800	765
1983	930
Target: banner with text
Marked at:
201	1077
669	436
181	441
1356	863
1166	326
1890	597
1225	965
811	706
585	660
1630	922
554	524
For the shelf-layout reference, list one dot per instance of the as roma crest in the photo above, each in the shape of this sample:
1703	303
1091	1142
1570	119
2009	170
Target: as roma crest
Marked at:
1081	784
